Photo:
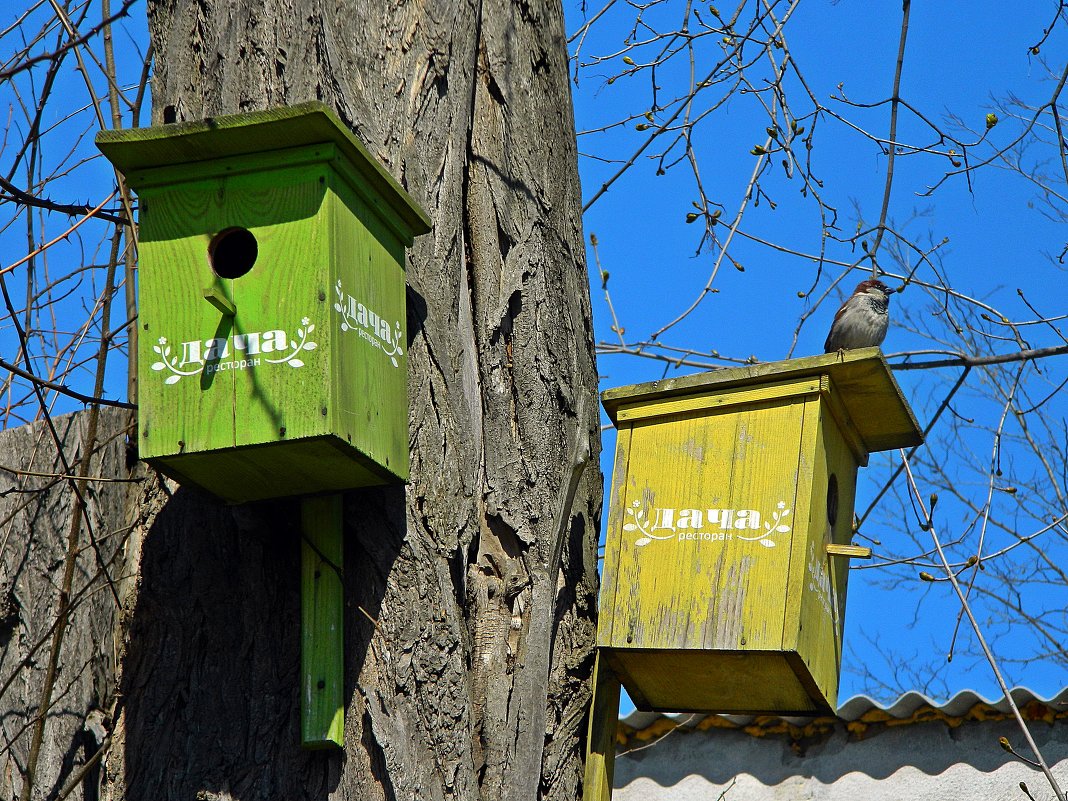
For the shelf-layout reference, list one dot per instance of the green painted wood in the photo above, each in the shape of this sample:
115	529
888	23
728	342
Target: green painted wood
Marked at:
167	176
868	389
281	307
310	344
601	734
368	305
244	389
311	123
217	298
308	466
322	714
182	409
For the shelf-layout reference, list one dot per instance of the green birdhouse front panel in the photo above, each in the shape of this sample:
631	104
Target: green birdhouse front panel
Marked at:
730	491
273	347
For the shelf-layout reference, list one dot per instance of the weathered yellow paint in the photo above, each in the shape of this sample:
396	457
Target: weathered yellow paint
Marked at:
660	582
720	592
659	407
850	551
601	734
869	393
844	421
818	613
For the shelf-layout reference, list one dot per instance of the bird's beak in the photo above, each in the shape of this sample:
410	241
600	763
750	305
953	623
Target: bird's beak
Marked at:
890	290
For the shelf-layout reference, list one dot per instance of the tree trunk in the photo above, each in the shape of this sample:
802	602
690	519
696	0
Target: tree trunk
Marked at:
470	594
36	504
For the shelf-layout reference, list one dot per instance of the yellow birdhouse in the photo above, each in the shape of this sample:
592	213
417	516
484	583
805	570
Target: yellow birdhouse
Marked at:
729	530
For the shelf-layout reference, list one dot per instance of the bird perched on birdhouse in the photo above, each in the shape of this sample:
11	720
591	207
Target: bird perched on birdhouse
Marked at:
862	320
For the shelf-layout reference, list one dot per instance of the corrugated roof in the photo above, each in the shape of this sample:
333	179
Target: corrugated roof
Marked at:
958	705
857	712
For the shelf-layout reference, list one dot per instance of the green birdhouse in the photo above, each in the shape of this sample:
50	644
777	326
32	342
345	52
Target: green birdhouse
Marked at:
272	330
729	530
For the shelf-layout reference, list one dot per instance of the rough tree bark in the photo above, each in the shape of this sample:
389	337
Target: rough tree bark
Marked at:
470	594
35	517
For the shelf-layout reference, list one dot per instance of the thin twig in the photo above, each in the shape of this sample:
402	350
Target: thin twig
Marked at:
979	633
895	102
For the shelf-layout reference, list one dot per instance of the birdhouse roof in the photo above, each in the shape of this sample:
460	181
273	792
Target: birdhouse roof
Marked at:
861	378
202	141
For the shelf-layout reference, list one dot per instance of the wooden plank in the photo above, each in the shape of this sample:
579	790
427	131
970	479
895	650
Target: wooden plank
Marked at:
215	296
846	427
843	467
727	682
172	175
366	302
322	623
282	309
809	527
869	392
325	156
601	737
299	467
702	562
820	581
239	134
849	551
734	396
607	606
185	406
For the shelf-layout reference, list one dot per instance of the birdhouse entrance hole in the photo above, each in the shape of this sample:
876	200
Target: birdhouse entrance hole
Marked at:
232	252
832	500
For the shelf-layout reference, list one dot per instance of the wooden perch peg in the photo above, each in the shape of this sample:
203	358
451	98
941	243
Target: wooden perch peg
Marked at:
217	299
849	551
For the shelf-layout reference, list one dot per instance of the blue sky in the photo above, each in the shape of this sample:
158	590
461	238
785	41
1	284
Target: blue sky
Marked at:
1000	237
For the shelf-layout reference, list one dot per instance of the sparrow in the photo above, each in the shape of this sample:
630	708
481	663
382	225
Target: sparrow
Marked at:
862	320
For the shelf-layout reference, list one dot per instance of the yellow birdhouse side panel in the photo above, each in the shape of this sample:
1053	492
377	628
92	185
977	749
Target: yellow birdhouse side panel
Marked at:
607	605
820	578
704	541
